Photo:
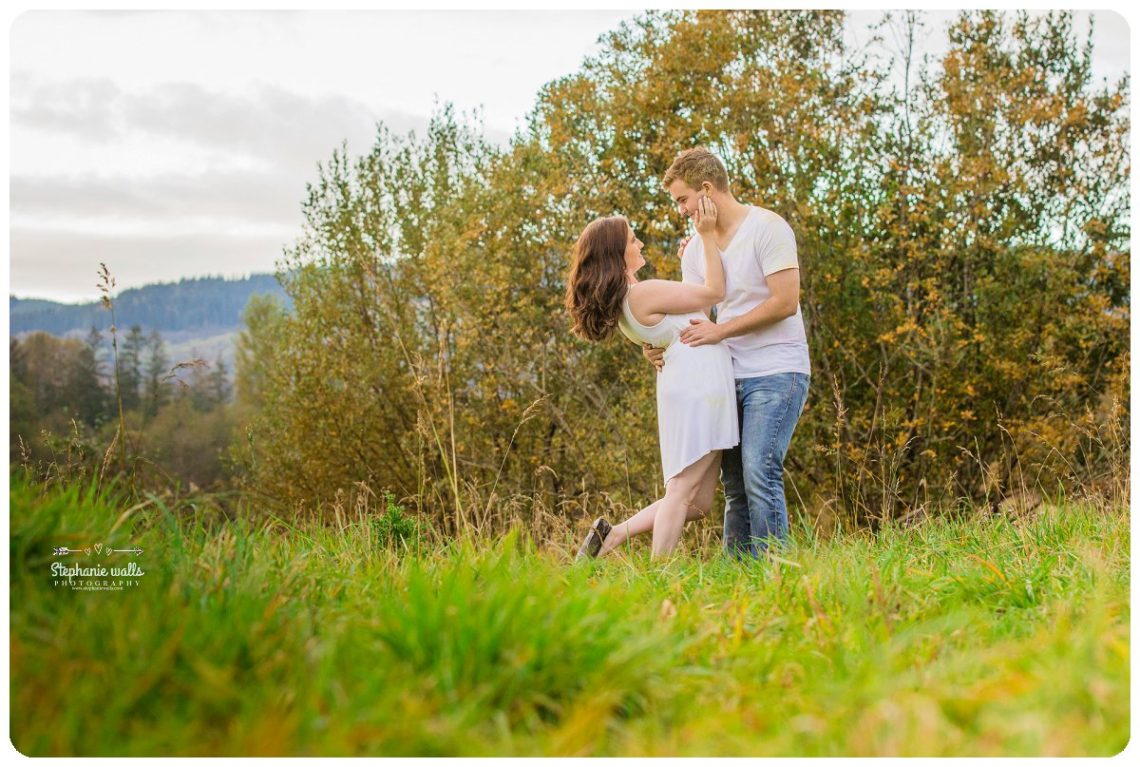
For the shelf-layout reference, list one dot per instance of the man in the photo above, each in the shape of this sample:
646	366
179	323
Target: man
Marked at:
760	322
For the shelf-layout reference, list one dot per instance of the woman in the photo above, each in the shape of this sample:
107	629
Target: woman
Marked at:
696	396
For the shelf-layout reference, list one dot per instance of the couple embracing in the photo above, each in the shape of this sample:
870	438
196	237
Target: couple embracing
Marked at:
729	392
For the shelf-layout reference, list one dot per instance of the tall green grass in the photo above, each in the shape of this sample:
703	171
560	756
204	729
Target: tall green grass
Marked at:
982	637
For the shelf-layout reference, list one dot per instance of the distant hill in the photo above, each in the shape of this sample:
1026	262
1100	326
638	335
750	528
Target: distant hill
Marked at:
198	307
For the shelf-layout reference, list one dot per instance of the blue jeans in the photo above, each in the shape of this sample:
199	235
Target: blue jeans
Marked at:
755	511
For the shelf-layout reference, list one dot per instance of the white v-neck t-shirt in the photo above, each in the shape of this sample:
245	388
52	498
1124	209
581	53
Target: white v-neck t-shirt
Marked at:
763	244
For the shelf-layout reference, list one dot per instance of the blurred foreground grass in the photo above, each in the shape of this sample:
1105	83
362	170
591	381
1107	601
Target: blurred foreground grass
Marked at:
983	637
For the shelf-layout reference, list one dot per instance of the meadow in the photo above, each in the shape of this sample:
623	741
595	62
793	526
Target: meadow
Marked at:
966	251
981	635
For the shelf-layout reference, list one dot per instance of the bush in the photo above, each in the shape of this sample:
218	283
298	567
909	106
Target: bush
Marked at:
394	528
964	254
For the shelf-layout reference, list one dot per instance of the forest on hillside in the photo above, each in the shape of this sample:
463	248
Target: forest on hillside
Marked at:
191	304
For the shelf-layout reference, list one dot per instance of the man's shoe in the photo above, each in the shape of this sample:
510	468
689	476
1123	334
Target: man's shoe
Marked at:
593	543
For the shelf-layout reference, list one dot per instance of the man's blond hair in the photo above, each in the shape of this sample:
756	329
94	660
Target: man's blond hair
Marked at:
696	166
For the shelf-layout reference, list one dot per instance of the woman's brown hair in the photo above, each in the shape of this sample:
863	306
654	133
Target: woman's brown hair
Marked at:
597	283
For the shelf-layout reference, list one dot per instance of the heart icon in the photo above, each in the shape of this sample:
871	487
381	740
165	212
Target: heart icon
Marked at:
98	548
87	551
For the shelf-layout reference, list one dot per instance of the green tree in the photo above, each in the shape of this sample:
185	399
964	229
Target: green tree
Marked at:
338	401
22	406
85	390
156	389
54	381
189	444
254	360
130	367
218	383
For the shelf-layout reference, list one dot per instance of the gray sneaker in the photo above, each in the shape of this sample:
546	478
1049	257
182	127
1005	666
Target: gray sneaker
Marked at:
593	543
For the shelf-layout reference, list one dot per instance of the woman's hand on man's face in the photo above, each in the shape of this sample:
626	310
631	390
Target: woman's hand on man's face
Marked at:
706	216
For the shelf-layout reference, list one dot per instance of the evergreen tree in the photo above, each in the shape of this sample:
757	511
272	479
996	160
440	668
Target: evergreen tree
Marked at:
130	367
218	383
94	341
156	392
83	391
21	410
200	389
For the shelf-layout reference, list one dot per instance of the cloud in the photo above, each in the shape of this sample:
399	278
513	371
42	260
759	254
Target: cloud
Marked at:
137	155
86	106
270	123
270	196
237	203
262	149
267	122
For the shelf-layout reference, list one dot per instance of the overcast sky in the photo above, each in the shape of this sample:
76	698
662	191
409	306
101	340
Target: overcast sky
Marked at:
175	144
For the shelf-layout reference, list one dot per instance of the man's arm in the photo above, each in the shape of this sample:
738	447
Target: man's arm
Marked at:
783	303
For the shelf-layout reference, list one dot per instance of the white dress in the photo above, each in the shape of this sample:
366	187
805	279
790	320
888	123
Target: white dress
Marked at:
696	392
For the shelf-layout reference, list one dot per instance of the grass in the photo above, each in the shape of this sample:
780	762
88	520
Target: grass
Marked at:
980	637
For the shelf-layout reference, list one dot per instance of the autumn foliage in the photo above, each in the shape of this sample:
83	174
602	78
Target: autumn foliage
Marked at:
963	241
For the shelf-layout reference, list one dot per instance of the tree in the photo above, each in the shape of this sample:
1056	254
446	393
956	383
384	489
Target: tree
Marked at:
130	367
156	390
22	406
262	320
54	381
218	384
85	390
963	244
347	369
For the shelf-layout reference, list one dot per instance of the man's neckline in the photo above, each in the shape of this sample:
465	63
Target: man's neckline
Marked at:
739	226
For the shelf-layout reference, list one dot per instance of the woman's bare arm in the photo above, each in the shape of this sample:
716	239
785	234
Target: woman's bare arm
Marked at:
670	297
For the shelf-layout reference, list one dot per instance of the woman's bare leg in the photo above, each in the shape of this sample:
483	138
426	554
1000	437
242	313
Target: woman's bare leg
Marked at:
707	491
643	520
681	493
